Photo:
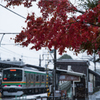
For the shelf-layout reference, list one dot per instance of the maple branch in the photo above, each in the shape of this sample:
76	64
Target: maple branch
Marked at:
77	9
87	23
82	12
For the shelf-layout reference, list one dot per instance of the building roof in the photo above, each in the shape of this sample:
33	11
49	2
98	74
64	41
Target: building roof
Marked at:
34	66
71	60
94	72
4	64
98	71
70	72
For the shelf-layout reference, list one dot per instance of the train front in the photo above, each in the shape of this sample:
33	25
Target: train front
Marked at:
12	81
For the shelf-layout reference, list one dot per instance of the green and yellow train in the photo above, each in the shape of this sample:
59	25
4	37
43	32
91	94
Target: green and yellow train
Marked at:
19	81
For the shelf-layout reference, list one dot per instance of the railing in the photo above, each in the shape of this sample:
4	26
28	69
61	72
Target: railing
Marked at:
65	85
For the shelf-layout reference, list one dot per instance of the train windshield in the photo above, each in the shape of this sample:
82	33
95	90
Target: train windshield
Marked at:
12	75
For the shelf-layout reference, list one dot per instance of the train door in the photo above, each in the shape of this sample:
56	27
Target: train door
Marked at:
0	88
37	80
36	83
28	79
40	79
45	80
31	76
34	79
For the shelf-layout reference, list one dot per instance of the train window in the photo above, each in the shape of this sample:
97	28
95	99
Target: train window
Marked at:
26	79
37	78
27	74
31	77
43	78
40	78
34	79
24	74
9	75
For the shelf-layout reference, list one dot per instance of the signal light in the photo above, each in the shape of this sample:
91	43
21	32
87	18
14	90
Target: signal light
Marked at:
48	94
47	89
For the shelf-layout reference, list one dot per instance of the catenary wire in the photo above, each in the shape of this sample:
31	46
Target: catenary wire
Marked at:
9	51
12	11
13	33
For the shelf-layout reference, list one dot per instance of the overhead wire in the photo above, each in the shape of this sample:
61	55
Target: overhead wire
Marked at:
15	52
9	51
13	33
12	11
21	17
17	33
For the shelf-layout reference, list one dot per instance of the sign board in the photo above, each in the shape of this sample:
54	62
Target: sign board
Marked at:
57	93
65	77
90	87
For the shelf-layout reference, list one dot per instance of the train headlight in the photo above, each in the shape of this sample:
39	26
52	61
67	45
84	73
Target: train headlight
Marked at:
19	85
5	85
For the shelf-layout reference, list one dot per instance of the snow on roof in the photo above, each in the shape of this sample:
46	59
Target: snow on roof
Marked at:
71	72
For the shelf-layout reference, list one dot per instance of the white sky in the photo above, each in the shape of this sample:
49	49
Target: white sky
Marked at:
12	23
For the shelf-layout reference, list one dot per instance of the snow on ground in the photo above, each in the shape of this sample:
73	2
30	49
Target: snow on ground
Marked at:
29	97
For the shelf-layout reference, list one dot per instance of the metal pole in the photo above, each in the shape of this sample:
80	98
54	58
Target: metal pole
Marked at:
39	60
1	38
94	63
54	80
55	67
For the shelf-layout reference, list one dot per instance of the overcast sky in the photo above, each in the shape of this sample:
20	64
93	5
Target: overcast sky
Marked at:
12	23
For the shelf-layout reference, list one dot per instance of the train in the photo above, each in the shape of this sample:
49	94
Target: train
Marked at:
25	80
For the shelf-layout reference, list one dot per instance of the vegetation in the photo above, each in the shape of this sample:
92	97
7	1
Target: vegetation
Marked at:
56	29
88	4
65	56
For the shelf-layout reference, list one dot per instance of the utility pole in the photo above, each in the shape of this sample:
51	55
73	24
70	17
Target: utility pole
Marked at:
94	62
54	73
1	38
39	60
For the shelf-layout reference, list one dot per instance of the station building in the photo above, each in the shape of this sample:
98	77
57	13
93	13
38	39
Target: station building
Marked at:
88	82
